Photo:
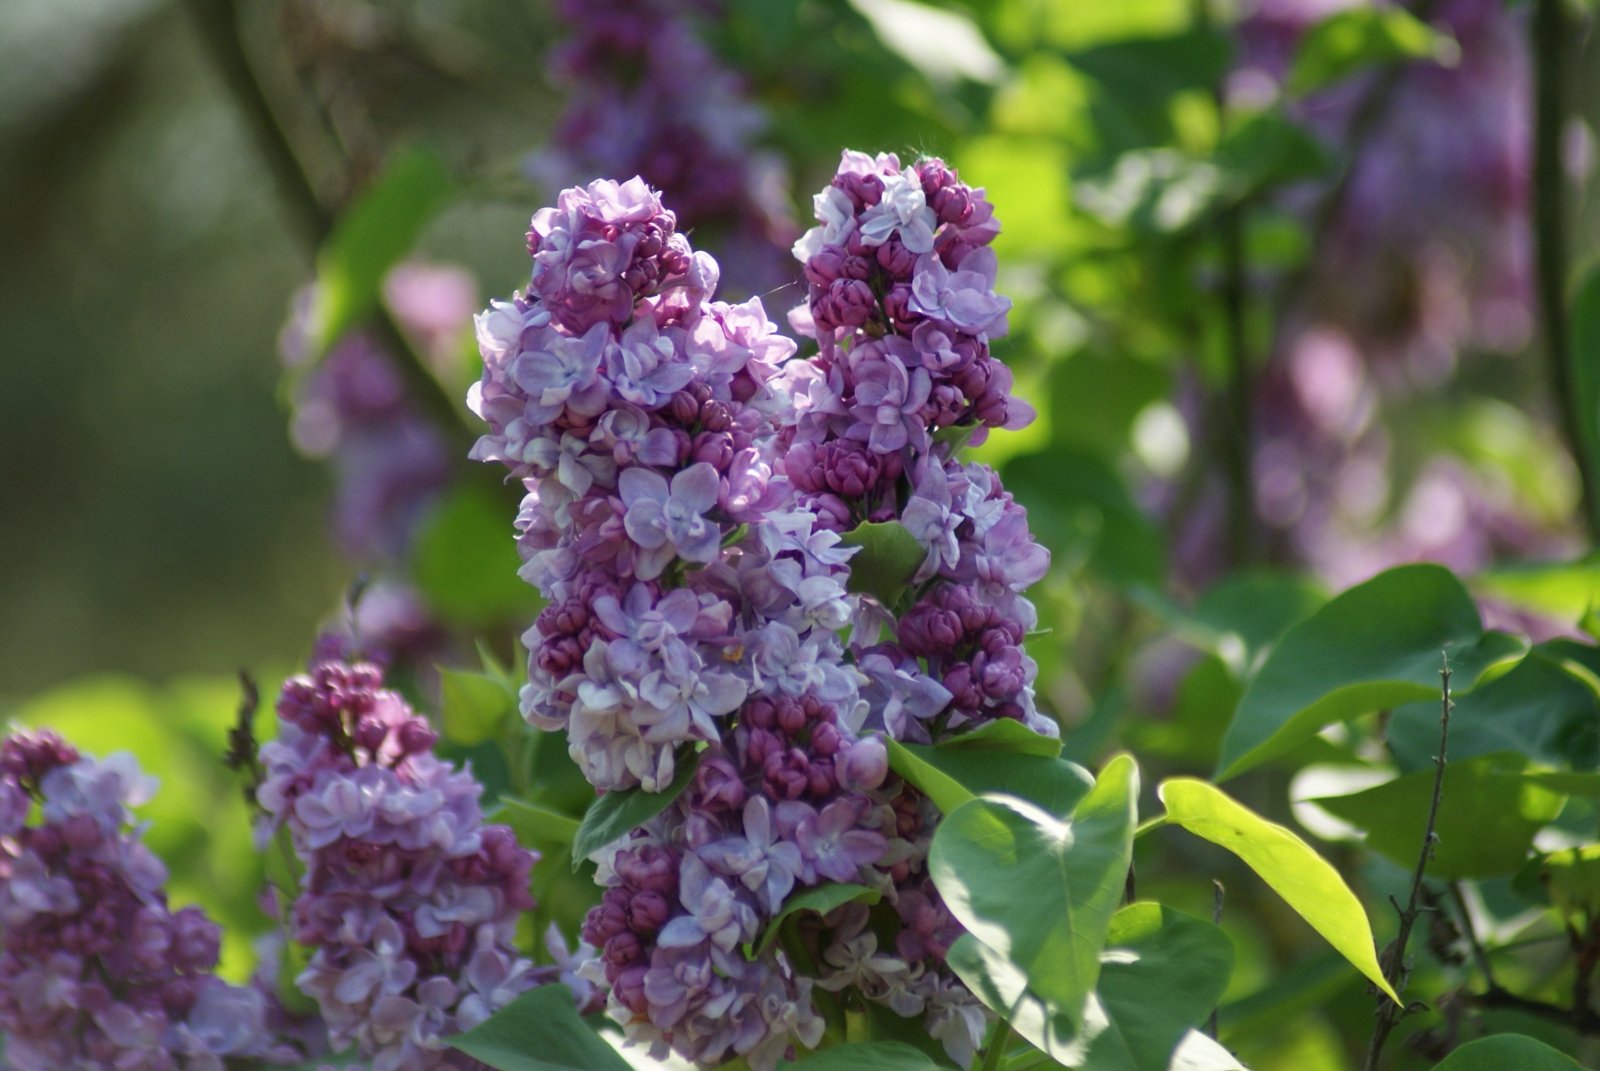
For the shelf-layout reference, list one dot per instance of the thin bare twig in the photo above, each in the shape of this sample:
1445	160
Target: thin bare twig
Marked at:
1218	891
1389	1014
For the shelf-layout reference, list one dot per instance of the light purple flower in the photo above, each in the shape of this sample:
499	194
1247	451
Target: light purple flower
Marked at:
666	522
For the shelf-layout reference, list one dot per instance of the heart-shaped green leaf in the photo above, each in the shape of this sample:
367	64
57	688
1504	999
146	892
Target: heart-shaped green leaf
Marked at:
539	1031
619	812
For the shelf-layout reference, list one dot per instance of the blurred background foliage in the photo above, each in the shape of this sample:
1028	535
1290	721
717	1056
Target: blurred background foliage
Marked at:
1277	303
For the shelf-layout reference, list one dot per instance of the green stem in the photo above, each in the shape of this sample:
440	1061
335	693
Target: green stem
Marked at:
997	1046
1550	33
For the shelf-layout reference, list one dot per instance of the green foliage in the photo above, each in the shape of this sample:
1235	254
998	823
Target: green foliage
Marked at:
535	824
1504	1051
473	707
820	900
951	774
1036	895
616	813
865	1056
1295	872
539	1031
375	232
888	558
465	559
1490	813
1350	41
1585	371
1373	647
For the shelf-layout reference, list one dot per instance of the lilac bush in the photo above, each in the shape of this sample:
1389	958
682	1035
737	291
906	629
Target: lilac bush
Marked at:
408	902
690	487
96	970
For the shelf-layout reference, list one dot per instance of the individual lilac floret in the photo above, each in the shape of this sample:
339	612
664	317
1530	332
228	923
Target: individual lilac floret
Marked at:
408	903
668	522
95	969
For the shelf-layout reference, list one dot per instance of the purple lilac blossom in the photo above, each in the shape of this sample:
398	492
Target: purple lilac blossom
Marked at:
96	970
408	903
697	585
645	95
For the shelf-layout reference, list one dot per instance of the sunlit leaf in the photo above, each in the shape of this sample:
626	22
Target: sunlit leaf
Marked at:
1352	40
888	558
1501	1052
1306	881
1037	891
819	900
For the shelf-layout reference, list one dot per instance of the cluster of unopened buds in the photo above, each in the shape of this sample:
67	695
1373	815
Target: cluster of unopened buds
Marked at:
693	490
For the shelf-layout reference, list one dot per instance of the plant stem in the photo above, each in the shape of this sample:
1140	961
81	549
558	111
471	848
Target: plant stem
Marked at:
1549	240
1389	1014
217	23
1480	955
997	1046
1218	892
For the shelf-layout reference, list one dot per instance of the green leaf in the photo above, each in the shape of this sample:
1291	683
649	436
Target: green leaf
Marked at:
1488	816
619	812
534	823
1082	510
890	555
1162	974
472	706
1562	590
465	556
952	776
1145	72
1039	892
819	899
1373	647
865	1056
1568	880
1268	150
1502	1051
1351	40
539	1031
1545	707
1294	871
1003	734
377	230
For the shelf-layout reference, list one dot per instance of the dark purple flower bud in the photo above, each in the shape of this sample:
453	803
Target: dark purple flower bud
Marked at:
649	866
864	191
785	774
684	407
999	635
369	734
762	745
820	779
825	265
848	469
803	468
648	912
974	379
856	268
897	306
965	695
791	716
416	736
946	406
715	448
896	260
608	918
999	676
826	740
930	631
718	788
832	513
714	416
628	985
934	175
761	713
623	950
850	302
952	204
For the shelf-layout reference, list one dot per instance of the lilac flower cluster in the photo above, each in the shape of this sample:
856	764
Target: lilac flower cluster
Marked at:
688	485
646	96
407	900
95	969
902	304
